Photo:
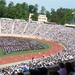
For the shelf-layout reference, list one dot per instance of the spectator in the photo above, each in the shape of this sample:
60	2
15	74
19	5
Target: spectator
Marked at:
62	70
69	68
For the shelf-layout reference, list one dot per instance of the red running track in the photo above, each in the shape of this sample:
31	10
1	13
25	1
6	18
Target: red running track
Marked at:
11	59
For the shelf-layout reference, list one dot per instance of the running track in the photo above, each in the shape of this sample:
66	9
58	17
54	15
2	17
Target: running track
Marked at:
11	59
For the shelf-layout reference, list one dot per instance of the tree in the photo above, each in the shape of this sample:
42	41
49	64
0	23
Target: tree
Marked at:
24	6
48	16
10	10
35	17
43	10
53	15
25	11
64	14
31	8
2	8
21	11
36	8
2	2
11	4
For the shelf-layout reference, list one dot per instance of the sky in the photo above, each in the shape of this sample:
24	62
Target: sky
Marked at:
48	4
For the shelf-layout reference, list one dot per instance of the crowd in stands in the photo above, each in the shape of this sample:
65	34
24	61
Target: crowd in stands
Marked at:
6	25
11	44
65	68
19	26
57	33
31	27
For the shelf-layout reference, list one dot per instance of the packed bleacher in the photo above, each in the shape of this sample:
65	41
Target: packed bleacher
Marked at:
6	25
12	44
57	33
19	26
31	27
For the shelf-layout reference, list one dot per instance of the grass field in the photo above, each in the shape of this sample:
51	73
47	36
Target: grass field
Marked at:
27	52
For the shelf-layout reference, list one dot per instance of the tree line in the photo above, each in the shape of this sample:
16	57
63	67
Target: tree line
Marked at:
22	10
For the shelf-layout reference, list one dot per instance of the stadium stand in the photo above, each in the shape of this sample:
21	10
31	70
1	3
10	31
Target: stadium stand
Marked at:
19	26
6	25
57	33
31	27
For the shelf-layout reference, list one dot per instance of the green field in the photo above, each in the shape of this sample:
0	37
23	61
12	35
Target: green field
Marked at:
26	52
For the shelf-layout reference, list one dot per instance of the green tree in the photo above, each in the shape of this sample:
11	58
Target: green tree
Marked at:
48	16
43	10
18	11
61	15
11	4
64	14
21	11
2	2
31	8
10	10
2	8
35	17
36	8
25	11
54	16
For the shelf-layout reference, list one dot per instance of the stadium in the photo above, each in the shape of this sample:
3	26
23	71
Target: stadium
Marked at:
18	35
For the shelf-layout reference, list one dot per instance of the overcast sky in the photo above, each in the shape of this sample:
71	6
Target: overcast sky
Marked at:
48	4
